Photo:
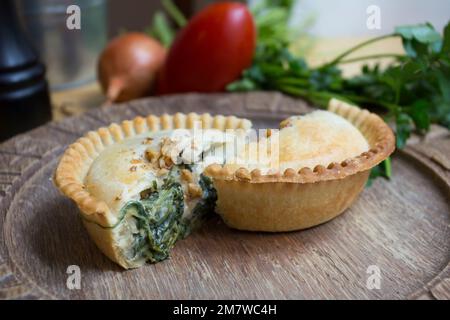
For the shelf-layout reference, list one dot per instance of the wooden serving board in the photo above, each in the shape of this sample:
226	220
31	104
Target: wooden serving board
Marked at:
400	226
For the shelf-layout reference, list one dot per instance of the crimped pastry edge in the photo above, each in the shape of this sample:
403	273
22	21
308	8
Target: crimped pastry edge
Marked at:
378	134
78	157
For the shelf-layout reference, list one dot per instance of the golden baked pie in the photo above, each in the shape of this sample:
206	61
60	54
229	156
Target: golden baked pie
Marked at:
146	183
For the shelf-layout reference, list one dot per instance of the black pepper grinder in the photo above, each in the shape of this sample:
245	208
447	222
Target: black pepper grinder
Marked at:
24	98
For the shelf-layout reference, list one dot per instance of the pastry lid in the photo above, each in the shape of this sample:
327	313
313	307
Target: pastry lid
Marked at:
377	133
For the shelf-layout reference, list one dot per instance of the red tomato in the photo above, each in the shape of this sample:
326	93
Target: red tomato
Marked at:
211	51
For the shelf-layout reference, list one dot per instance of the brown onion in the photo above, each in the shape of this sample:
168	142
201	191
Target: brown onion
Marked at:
128	66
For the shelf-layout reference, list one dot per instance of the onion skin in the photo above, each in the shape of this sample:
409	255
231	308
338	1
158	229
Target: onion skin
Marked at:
128	66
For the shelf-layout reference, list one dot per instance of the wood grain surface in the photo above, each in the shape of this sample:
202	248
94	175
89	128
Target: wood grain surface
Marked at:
401	226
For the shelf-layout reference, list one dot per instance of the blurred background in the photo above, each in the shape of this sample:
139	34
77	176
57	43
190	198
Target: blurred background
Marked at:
70	56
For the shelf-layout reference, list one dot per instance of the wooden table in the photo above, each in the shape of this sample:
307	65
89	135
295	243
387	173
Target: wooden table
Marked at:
75	101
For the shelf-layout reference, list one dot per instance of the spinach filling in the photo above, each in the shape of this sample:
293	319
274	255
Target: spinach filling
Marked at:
159	217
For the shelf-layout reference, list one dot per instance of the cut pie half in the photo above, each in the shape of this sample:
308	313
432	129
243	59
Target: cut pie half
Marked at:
139	185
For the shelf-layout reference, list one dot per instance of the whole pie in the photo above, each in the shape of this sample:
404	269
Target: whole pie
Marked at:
146	183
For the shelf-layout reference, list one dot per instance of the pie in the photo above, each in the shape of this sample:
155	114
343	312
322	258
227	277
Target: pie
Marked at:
146	183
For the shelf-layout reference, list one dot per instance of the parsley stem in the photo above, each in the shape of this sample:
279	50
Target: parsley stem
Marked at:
388	167
174	13
373	56
318	97
293	81
322	97
362	99
359	46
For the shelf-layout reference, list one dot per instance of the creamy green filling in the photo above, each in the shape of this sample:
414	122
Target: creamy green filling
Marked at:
157	218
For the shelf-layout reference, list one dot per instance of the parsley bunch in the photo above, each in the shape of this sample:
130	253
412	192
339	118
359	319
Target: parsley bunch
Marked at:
413	91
